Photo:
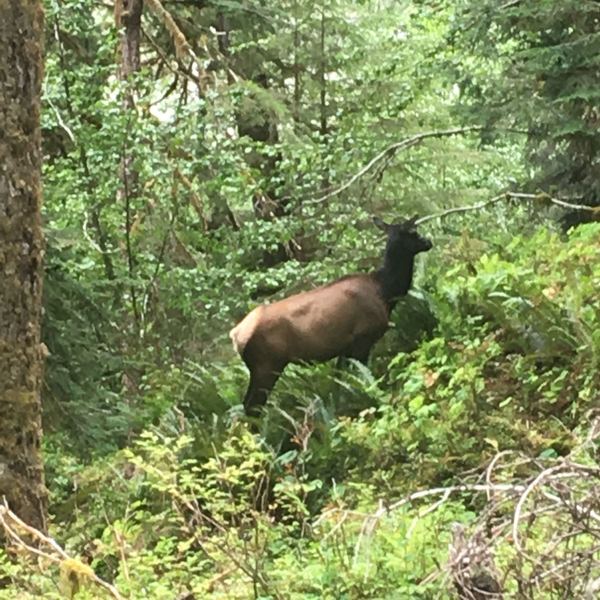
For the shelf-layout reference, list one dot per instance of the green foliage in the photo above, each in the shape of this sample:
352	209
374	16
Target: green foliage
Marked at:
545	83
514	365
156	480
199	504
169	289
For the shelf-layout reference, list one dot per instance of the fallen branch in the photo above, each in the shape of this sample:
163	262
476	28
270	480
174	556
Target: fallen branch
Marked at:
560	524
371	522
11	524
545	526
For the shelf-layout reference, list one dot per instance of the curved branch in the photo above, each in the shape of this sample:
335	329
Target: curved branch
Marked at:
459	209
543	196
390	151
508	196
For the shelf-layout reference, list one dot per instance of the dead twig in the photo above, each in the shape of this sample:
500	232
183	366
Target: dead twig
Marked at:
547	524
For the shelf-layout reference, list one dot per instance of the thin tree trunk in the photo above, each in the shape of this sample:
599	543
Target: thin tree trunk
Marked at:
101	236
323	128
296	65
128	17
322	80
21	253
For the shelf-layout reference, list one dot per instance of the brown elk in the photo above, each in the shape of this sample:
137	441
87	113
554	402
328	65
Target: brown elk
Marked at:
344	318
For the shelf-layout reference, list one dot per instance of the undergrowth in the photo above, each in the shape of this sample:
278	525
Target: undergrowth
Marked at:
198	504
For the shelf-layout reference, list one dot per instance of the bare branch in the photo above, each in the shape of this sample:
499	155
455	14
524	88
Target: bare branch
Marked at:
460	209
517	516
554	511
546	197
180	70
510	4
390	151
370	523
542	197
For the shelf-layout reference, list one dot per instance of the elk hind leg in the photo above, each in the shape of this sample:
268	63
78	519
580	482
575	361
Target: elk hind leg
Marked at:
361	349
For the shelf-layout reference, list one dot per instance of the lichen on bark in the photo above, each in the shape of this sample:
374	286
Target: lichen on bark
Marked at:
21	257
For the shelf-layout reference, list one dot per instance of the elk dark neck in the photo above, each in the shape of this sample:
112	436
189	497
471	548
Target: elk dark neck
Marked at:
395	279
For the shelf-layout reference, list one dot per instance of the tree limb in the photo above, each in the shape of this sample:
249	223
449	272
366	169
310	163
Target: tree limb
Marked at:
181	70
183	48
508	196
510	4
390	151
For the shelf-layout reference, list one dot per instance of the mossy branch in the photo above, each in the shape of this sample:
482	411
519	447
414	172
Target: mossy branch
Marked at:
183	49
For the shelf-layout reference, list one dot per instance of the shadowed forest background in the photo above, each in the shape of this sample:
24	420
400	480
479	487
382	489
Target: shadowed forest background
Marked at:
202	157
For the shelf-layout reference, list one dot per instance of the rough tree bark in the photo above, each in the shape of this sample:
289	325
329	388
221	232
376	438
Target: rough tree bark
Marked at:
21	252
128	15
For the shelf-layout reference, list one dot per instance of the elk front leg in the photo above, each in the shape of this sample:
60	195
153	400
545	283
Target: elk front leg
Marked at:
261	383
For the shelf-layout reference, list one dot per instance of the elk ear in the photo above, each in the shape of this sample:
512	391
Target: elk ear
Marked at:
381	224
410	223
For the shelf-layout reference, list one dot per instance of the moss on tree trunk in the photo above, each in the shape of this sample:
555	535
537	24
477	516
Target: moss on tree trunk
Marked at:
21	254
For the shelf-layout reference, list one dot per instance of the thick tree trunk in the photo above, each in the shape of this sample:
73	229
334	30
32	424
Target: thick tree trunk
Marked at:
21	254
